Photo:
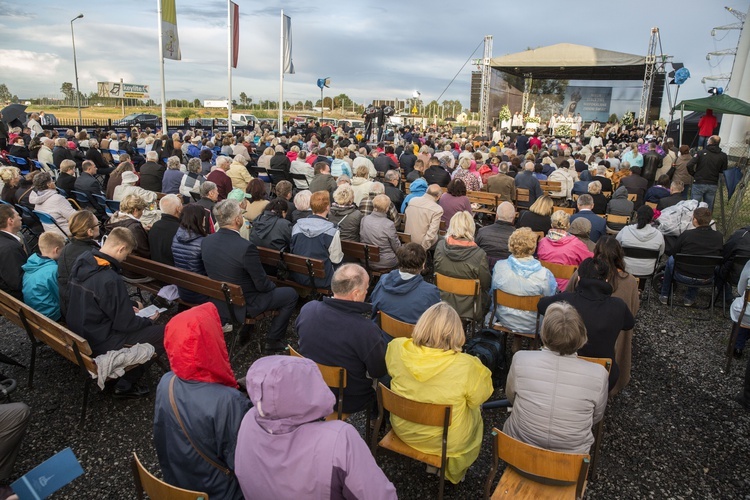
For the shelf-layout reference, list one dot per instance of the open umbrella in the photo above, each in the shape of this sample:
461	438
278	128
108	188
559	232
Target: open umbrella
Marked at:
14	114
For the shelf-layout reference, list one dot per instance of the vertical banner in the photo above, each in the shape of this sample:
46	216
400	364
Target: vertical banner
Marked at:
235	15
287	37
170	40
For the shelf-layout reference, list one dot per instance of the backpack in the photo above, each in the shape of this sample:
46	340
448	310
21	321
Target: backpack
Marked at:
488	346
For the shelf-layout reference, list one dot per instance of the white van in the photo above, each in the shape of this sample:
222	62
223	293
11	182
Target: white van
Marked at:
248	120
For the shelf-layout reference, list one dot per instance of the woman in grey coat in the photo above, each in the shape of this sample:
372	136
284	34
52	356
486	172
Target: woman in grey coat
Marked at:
345	214
377	229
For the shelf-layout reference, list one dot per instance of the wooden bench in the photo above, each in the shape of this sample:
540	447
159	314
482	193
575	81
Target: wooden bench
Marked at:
164	274
488	202
313	268
404	237
42	330
549	187
363	253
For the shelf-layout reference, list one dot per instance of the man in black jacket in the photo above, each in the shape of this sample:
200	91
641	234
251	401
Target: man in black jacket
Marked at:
13	251
392	190
436	174
162	232
493	239
702	240
227	256
604	316
101	311
87	184
707	165
651	163
280	161
152	172
407	159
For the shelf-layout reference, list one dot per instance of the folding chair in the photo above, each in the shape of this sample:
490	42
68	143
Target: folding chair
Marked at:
418	413
621	220
334	377
394	327
644	254
700	261
102	202
82	198
462	287
533	472
145	482
46	218
652	205
528	303
560	271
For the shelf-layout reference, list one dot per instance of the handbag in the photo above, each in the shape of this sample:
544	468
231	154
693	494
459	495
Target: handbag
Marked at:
224	470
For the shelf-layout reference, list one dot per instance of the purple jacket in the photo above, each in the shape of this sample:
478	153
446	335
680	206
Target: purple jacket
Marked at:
283	430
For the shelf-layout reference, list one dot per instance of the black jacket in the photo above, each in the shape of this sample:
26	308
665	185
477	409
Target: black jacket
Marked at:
535	222
68	257
227	256
698	241
11	274
271	231
669	201
493	239
95	155
651	163
604	316
100	309
384	163
88	184
437	175
66	182
737	248
280	161
407	161
606	183
151	176
709	163
395	194
160	239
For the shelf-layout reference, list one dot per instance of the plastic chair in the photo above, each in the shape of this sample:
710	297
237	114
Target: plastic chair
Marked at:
82	198
46	218
145	482
418	413
533	472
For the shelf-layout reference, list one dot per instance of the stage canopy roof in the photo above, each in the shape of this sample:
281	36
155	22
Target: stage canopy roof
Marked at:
572	62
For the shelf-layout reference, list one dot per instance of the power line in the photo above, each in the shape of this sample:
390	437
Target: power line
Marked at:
459	71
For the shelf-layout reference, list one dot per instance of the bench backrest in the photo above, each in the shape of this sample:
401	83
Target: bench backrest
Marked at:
361	251
59	338
294	263
184	279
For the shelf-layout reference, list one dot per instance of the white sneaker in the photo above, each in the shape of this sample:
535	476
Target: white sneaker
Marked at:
226	328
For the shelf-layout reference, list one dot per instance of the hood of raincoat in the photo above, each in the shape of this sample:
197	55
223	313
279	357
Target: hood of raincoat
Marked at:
186	236
195	345
621	193
418	187
265	223
425	362
39	197
395	284
644	234
524	267
314	226
287	392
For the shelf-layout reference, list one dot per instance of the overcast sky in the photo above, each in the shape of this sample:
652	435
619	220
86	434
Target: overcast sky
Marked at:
385	51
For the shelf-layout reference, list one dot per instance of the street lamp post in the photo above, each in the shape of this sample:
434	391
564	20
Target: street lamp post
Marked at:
75	66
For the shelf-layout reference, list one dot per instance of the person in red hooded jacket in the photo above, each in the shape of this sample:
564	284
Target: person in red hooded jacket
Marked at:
198	406
706	126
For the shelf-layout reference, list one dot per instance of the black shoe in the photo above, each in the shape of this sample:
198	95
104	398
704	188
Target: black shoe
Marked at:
274	347
737	353
135	391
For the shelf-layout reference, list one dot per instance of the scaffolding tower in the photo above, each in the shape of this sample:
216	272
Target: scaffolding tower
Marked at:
648	77
484	96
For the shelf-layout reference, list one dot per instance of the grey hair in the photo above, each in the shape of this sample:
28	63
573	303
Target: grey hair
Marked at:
206	188
302	200
377	188
222	160
348	278
173	163
194	165
170	204
152	156
585	200
226	212
240	159
391	175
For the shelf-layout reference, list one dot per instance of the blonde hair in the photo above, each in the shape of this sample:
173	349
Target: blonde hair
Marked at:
542	206
462	226
48	241
339	153
269	151
7	174
439	327
563	330
344	195
381	203
522	242
362	171
560	220
465	163
131	203
595	187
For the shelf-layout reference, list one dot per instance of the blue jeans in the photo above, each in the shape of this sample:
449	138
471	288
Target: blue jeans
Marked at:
705	192
692	292
702	141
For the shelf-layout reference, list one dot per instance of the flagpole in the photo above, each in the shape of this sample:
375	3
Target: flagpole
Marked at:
281	73
230	53
161	70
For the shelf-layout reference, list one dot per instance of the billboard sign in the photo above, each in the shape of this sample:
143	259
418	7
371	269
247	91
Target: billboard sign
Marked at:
592	102
122	90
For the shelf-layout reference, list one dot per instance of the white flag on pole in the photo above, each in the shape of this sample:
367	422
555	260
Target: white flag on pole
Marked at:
288	64
170	40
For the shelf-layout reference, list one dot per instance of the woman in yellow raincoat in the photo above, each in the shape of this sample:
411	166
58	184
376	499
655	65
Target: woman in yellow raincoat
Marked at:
430	368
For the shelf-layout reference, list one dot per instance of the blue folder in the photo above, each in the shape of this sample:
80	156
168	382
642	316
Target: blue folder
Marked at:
48	477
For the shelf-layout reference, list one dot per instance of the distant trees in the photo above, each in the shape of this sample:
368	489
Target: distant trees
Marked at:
5	95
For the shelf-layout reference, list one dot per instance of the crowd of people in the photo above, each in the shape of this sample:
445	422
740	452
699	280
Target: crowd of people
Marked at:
206	202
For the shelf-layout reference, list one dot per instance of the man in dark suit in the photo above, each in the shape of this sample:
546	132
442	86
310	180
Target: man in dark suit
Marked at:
162	232
227	256
152	172
392	179
87	184
585	205
13	251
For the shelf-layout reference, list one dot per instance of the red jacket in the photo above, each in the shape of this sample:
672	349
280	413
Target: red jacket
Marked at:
707	124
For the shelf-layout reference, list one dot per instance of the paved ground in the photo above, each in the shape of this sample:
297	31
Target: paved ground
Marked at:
675	432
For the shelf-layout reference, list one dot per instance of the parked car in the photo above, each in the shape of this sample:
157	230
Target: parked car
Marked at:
139	120
247	120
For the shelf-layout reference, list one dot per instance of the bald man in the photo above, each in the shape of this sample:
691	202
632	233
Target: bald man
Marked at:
334	332
526	180
493	239
423	217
